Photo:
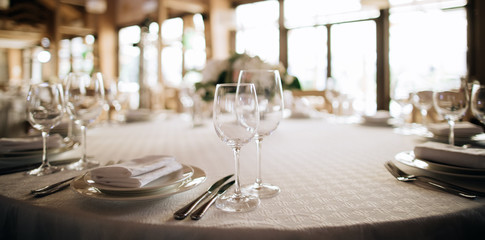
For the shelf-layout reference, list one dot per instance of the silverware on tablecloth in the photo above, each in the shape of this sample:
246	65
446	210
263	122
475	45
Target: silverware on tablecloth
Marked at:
197	214
58	186
185	211
433	182
53	188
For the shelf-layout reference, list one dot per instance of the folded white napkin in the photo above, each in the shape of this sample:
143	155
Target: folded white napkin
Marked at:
137	172
446	154
381	117
462	129
29	143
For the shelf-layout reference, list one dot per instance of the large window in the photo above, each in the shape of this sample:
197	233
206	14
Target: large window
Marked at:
427	39
307	56
257	30
354	62
427	42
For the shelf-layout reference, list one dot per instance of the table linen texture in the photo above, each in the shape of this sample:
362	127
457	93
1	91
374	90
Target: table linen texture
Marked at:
332	179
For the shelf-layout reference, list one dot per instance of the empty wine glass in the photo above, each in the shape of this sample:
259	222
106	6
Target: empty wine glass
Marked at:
44	111
423	100
270	102
85	101
401	94
450	99
478	102
236	119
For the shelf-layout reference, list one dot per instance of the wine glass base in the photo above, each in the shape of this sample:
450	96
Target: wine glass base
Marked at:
44	170
263	190
237	203
82	165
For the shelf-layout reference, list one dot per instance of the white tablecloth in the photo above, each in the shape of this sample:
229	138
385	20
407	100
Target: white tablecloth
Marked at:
332	179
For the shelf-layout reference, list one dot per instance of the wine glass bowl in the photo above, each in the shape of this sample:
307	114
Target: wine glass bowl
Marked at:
423	100
451	101
45	109
85	101
478	103
402	94
270	100
236	119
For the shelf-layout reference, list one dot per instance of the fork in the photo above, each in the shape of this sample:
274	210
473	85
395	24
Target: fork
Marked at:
445	186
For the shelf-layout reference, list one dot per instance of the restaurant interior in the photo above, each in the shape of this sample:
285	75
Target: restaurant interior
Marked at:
313	41
364	90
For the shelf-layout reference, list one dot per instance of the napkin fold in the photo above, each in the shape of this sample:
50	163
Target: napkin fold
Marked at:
29	143
446	154
462	129
137	172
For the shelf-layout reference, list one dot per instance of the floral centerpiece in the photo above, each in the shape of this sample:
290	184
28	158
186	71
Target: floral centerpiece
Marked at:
227	71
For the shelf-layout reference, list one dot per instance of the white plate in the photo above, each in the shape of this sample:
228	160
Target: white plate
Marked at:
409	159
66	146
173	179
80	186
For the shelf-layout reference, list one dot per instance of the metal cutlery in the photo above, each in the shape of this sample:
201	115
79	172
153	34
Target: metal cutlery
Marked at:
197	214
53	188
58	186
185	211
438	184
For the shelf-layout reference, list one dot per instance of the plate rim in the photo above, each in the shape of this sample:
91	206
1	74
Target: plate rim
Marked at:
88	191
67	146
438	167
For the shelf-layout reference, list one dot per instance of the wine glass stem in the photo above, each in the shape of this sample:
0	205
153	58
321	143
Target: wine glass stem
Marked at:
45	161
259	181
236	150
424	115
451	138
83	131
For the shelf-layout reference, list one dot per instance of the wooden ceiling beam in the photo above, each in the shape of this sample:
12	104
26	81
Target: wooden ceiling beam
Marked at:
68	11
186	6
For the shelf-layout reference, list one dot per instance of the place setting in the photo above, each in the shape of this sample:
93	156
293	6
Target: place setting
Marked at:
145	178
448	159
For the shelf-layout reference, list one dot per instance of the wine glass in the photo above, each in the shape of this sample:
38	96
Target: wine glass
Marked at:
270	101
236	119
478	102
450	99
85	101
402	90
423	100
45	109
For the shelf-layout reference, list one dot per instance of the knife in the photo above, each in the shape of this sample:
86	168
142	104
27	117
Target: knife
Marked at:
185	211
197	214
438	184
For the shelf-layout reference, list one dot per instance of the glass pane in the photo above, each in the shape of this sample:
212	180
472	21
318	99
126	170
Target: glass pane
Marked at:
129	55
172	54
354	63
311	12
258	33
428	44
307	56
172	64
